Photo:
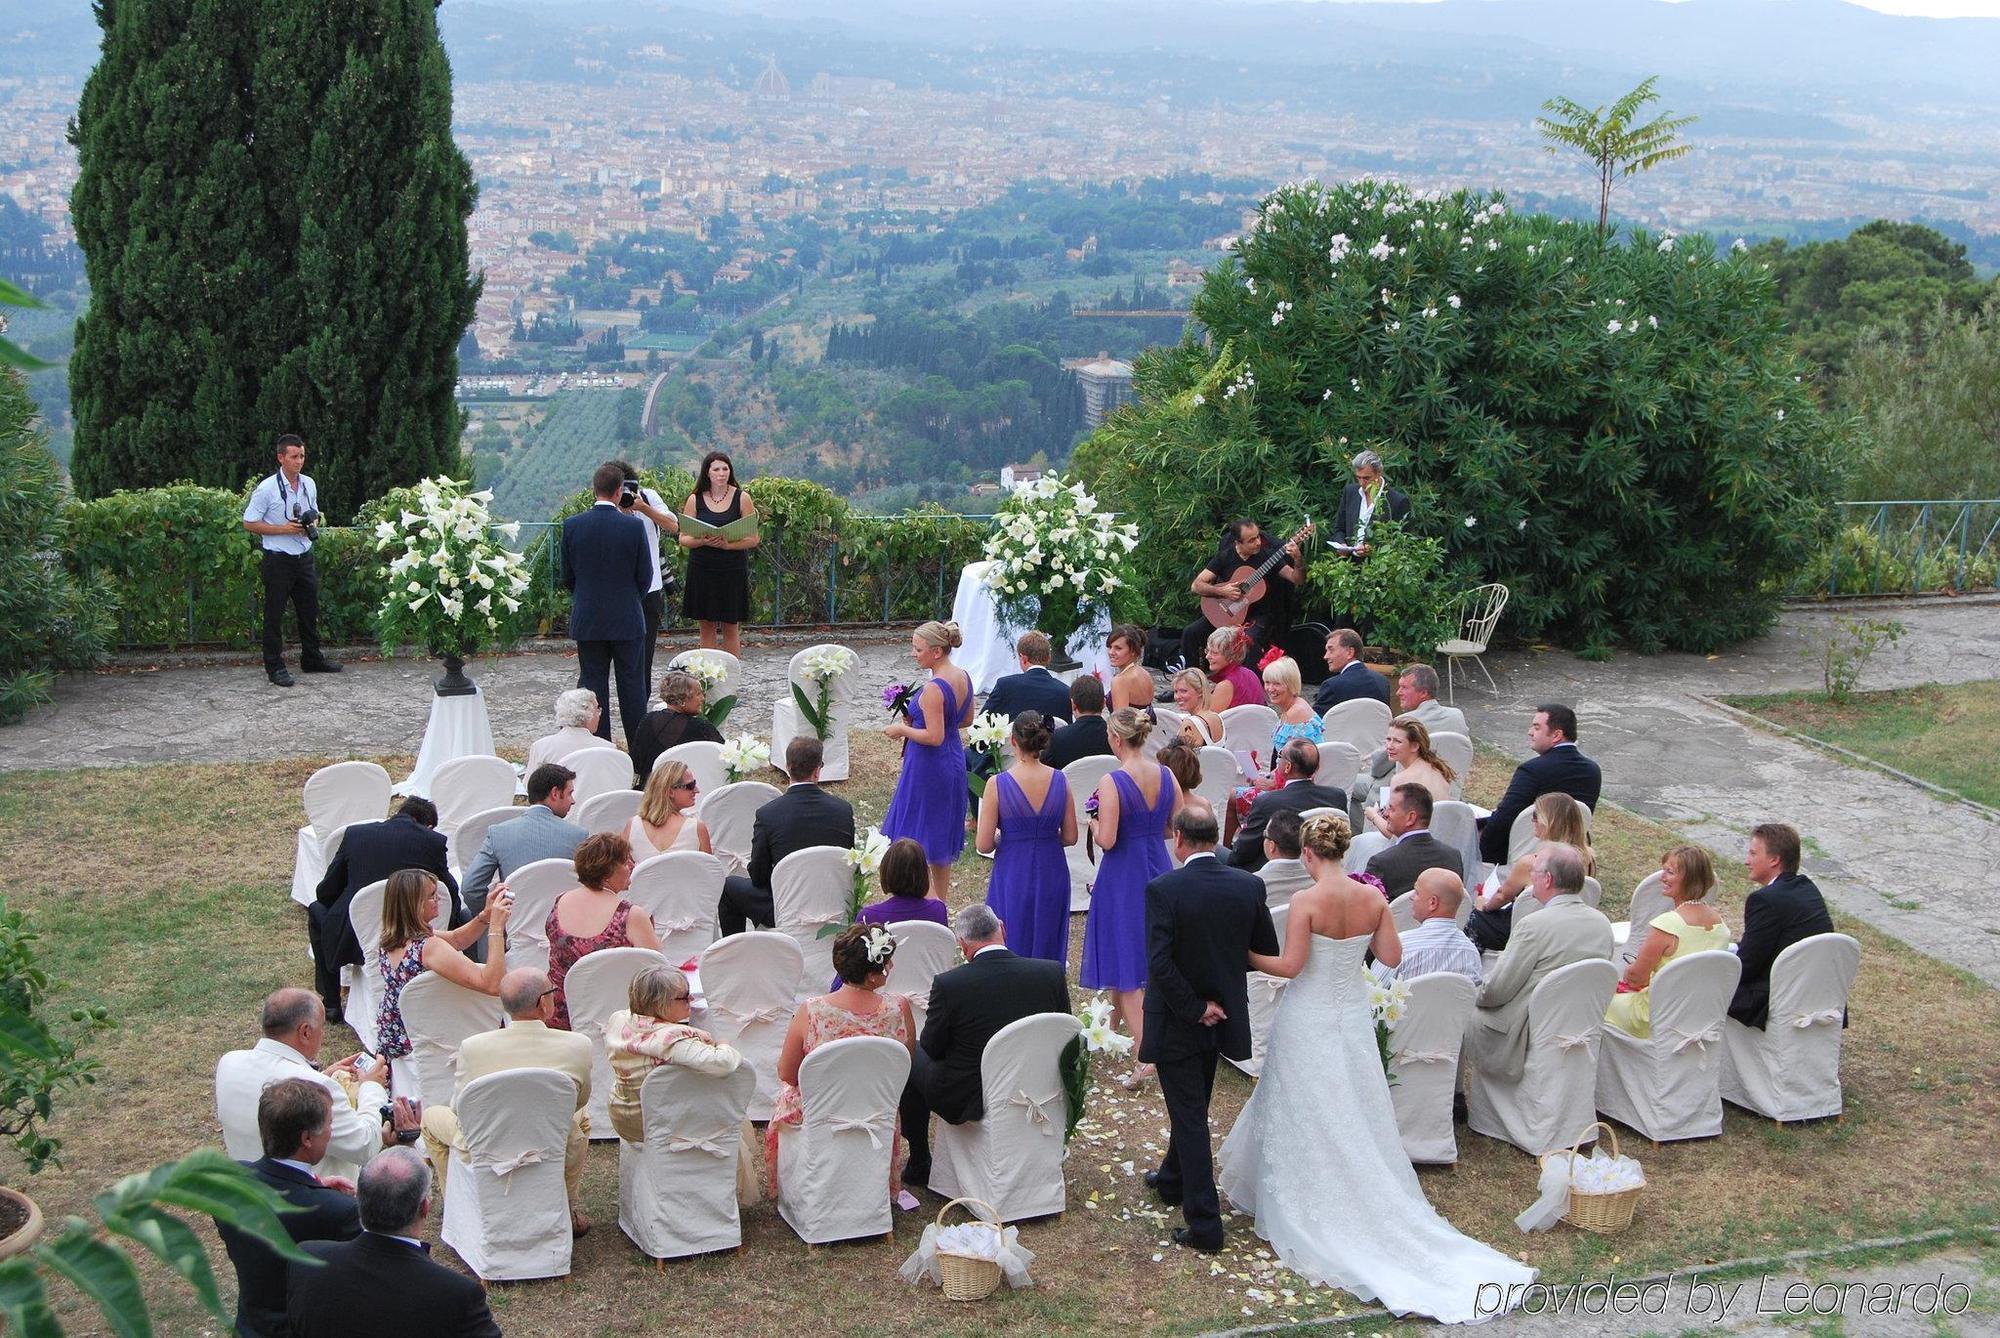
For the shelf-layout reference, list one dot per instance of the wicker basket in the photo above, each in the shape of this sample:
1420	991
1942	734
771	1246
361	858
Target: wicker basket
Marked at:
1602	1213
966	1278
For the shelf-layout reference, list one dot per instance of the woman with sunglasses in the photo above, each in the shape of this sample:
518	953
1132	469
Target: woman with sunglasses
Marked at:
655	1030
594	916
666	819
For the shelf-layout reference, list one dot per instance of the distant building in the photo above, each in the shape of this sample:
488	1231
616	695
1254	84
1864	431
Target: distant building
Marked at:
1106	382
1180	274
772	86
1013	475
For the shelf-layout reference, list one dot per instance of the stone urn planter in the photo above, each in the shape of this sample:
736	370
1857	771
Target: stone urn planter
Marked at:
454	683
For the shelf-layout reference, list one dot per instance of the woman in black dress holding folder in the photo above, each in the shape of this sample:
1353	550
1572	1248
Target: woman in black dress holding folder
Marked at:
718	574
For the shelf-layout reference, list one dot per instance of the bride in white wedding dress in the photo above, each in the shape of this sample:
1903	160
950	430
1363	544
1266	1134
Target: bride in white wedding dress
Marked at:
1315	1155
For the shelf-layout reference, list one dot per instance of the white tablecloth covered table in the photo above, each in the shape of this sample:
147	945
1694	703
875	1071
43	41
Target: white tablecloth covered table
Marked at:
989	653
459	727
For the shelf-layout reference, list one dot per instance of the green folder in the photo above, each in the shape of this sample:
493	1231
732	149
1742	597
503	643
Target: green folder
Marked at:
740	528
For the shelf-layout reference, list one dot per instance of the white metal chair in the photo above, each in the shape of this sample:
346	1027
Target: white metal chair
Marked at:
703	758
462	845
749	986
595	988
924	951
1456	750
1082	777
1790	1070
600	770
364	992
535	887
468	785
833	1166
1264	992
809	891
1011	1158
505	1208
609	811
1339	764
731	814
439	1014
732	671
1250	729
677	1190
1479	610
1667	1086
680	890
1362	722
1555	1100
787	723
1426	1045
334	796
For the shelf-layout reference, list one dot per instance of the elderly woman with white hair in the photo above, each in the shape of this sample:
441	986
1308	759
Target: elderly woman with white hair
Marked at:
577	714
1365	501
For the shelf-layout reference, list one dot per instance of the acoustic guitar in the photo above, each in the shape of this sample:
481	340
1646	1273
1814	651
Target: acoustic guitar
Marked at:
1235	612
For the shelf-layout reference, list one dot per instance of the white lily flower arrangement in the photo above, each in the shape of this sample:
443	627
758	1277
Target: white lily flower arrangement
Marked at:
450	585
744	754
1056	556
862	862
1097	1037
822	666
1386	1006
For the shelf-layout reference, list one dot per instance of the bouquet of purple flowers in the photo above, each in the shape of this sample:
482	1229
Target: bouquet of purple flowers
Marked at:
1090	807
896	698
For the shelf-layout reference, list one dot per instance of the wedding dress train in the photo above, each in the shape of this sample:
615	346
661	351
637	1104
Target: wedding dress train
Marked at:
1315	1156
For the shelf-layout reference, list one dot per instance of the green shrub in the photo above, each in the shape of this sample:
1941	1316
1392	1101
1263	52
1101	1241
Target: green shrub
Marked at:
1403	594
1858	561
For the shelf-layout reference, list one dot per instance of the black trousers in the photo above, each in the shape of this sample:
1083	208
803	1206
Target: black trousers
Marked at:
655	605
1491	930
293	577
915	1112
596	663
326	971
743	904
1187	1171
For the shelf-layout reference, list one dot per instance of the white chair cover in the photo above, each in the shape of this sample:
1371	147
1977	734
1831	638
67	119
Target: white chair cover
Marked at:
1363	722
610	810
468	785
1456	750
1250	729
462	845
1556	1098
1593	892
334	796
703	758
732	671
1012	1157
1339	764
749	982
680	890
1791	1069
787	724
677	1190
1454	823
535	887
595	988
599	770
924	951
1365	846
809	891
1220	774
731	814
1667	1086
439	1014
506	1211
1166	729
833	1166
1265	992
1082	777
1426	1045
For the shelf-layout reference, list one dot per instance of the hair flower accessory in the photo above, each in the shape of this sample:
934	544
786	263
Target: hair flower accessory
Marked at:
881	943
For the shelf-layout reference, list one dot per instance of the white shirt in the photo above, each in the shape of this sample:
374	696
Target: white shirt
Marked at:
1366	514
652	499
273	502
991	947
240	1079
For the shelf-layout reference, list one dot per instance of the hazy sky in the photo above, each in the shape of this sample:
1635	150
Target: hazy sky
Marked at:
1949	9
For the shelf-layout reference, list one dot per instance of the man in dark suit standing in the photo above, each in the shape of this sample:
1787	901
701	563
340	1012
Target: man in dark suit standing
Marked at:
1414	849
383	1282
1556	765
1034	688
969	1005
1349	679
804	815
1203	920
369	853
607	572
1364	502
1086	734
295	1124
1298	762
1785	908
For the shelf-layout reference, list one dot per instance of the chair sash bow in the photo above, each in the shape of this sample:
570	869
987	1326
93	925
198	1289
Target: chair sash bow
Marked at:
1814	1019
1425	1057
698	1143
1568	1043
1703	1039
775	1013
680	925
867	1124
1036	1109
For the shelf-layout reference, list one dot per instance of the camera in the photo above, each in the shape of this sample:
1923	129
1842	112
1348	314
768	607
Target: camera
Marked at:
308	520
628	494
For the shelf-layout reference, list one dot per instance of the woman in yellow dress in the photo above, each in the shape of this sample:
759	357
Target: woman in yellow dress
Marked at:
1686	876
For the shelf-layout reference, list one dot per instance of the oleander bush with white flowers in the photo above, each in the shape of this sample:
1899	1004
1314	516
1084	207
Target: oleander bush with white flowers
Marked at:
450	587
1616	430
1058	557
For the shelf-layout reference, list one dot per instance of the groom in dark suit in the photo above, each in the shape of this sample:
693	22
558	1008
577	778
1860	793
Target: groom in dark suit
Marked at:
1203	921
607	572
968	1007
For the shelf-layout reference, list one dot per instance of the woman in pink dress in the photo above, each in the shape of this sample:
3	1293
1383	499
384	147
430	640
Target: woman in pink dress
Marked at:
1235	683
596	915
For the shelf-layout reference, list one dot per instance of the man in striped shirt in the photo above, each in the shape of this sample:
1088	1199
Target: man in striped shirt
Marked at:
1435	942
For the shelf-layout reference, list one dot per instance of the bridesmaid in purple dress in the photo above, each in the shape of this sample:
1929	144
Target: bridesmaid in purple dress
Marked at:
1134	805
1026	813
929	805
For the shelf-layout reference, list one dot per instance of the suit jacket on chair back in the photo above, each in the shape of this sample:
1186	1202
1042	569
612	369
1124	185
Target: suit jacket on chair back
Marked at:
1203	920
1777	915
386	1288
260	1273
969	1005
804	815
606	569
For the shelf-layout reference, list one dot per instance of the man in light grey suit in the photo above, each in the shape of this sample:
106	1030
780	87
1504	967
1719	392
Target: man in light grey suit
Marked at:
1284	872
1563	931
539	833
1416	695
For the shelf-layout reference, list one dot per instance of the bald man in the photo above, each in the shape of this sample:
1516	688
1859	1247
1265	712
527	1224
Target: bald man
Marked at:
1435	942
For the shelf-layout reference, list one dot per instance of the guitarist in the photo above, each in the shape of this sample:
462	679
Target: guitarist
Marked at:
1244	545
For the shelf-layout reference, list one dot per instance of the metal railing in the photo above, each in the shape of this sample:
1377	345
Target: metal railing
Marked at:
1907	547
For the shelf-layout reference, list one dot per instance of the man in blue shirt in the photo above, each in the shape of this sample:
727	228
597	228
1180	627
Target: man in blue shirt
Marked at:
283	512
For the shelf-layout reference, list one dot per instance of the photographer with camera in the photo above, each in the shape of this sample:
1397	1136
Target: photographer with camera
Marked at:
636	499
283	512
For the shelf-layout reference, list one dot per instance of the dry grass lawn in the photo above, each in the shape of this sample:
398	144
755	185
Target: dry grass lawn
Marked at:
161	892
